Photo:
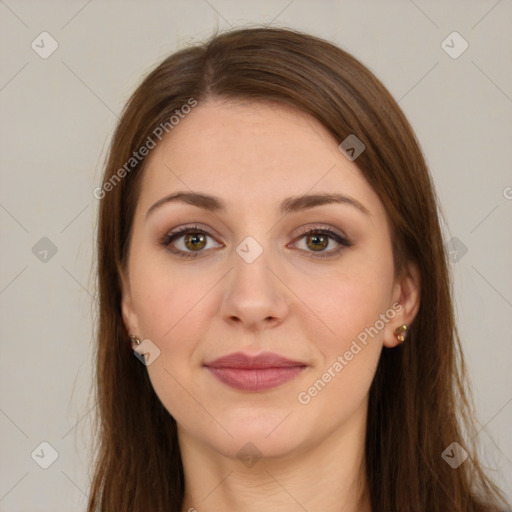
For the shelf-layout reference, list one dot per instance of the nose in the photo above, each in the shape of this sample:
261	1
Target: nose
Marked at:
254	296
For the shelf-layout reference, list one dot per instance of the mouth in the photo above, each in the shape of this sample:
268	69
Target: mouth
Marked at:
254	373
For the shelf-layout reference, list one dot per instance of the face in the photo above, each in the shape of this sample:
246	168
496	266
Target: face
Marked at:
260	271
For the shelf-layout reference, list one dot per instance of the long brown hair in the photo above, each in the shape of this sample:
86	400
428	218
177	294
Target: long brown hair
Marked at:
419	400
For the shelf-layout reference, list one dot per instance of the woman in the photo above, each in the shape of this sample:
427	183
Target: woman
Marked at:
270	251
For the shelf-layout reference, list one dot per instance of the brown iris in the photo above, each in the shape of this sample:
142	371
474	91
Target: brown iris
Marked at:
319	242
197	241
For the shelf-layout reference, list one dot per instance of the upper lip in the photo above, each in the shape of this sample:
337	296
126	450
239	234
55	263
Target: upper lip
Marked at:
245	361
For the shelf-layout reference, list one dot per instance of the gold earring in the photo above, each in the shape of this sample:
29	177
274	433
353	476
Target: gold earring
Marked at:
134	339
400	333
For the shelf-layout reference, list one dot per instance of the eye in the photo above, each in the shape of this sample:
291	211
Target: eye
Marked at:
187	242
318	239
192	241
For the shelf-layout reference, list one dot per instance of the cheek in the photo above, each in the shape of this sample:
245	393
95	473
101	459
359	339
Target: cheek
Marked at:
346	302
347	329
168	299
173	311
348	355
173	316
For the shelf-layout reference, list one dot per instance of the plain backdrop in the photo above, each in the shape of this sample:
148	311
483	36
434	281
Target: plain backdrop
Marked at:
58	112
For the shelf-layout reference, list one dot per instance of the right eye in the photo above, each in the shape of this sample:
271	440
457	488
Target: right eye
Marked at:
187	242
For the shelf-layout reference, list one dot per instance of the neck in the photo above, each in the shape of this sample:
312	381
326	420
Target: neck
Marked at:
330	476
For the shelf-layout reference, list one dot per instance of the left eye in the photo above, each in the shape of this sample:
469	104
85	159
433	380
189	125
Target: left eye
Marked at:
319	239
191	242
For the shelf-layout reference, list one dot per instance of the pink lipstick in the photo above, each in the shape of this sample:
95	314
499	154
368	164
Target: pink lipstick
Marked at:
254	373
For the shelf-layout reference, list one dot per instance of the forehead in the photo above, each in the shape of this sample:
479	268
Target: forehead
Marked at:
245	137
252	153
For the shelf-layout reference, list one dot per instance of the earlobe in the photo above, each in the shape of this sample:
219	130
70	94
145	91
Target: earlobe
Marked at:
407	294
127	312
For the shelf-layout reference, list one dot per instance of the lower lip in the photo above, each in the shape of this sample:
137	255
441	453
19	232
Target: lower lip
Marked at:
259	379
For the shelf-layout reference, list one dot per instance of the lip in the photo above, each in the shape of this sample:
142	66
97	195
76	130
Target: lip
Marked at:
254	373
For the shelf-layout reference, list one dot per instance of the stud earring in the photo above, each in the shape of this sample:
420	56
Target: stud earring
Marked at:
134	339
400	333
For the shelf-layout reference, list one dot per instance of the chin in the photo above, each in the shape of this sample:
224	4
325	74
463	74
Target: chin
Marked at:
264	433
243	446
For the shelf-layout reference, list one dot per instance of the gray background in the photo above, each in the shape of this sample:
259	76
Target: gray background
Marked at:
58	113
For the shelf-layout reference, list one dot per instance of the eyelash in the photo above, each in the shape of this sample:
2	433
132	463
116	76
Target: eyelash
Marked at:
167	240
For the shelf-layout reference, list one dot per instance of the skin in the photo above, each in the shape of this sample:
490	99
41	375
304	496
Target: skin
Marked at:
253	155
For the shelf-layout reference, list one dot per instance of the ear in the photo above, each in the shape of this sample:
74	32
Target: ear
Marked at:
128	313
406	298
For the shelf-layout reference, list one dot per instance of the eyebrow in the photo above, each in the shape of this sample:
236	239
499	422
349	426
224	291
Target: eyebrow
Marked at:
288	205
